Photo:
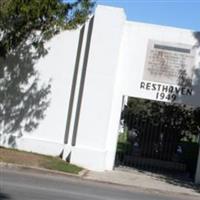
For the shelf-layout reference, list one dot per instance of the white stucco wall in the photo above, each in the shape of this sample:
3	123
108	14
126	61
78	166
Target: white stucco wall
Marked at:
136	37
112	67
90	150
106	85
57	65
115	69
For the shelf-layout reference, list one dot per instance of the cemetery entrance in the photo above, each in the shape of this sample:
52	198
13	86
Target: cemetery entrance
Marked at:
159	137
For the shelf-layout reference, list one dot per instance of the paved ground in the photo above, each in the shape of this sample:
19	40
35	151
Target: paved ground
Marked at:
141	179
20	185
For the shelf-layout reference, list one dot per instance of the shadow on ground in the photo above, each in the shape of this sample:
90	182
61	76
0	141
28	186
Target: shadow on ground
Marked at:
174	179
178	181
4	196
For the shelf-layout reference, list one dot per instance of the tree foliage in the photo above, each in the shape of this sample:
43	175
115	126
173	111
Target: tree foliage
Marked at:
160	127
183	118
38	20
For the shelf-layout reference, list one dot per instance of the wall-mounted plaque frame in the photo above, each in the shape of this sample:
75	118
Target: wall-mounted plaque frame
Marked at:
169	63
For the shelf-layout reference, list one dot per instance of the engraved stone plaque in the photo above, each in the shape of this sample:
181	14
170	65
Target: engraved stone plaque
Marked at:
169	63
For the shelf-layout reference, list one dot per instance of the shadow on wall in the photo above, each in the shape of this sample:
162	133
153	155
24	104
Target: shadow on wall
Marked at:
197	36
195	85
23	98
188	87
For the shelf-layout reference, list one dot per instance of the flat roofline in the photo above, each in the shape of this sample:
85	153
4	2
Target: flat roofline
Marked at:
144	23
160	26
118	9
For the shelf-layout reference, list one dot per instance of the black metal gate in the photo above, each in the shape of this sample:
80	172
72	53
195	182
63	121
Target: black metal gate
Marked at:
150	141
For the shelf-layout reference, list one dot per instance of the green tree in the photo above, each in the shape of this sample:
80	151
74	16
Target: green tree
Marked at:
25	26
160	124
38	20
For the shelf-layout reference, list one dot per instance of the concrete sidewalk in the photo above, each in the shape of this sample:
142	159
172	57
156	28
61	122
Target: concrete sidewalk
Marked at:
145	180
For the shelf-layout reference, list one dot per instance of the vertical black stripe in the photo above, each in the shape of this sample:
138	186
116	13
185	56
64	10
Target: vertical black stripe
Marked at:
82	82
72	93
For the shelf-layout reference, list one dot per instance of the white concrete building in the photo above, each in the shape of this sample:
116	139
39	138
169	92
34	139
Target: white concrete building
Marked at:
93	68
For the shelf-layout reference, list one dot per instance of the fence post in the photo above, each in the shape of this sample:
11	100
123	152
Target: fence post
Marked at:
197	175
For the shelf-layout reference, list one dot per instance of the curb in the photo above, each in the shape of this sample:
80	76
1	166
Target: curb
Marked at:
41	170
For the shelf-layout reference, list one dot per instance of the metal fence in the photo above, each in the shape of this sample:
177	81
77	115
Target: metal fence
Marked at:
156	147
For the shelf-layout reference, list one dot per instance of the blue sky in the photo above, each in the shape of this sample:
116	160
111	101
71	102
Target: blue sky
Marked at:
178	13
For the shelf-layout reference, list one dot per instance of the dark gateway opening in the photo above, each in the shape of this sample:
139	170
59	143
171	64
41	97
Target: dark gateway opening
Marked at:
159	137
